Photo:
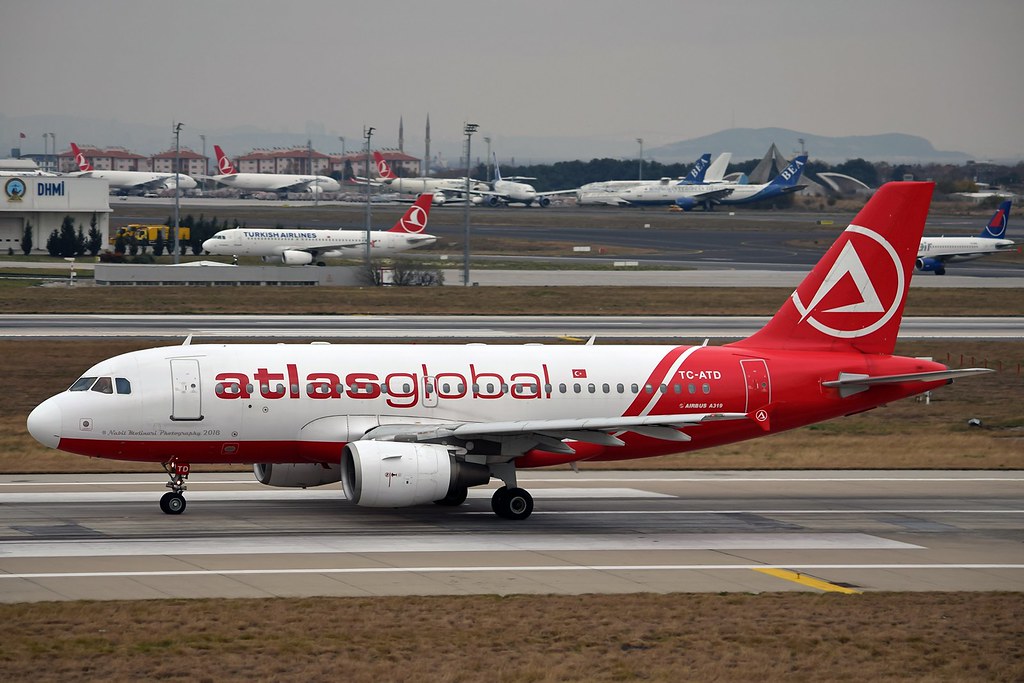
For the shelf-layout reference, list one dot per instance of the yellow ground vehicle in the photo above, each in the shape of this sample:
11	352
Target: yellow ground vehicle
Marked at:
148	233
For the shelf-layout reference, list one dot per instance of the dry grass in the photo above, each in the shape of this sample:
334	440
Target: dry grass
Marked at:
897	636
906	434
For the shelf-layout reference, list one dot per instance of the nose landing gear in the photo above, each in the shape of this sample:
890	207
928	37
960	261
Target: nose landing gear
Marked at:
173	502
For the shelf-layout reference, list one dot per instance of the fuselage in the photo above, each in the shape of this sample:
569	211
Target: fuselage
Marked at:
278	182
124	180
515	192
957	249
302	403
327	243
669	193
434	185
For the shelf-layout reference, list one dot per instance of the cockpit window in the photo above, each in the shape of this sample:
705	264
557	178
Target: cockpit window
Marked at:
82	384
103	385
123	385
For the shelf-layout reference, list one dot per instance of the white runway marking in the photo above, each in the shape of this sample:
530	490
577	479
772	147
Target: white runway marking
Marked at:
513	568
450	543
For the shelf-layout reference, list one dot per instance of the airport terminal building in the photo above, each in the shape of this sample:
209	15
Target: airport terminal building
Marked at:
43	202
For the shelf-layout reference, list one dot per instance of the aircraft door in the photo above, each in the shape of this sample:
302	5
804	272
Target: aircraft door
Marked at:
758	383
186	394
429	393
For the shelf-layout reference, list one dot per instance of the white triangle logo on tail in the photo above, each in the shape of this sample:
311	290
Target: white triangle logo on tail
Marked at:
870	312
415	220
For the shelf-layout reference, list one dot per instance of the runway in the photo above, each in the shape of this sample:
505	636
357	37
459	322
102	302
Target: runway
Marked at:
458	327
103	537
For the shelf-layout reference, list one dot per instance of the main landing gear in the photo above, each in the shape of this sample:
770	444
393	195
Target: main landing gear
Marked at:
173	502
512	503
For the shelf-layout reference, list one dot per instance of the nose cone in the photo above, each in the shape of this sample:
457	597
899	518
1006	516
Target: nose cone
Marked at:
44	423
209	245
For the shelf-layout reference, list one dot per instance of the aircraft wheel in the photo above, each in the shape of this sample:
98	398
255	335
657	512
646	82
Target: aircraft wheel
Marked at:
172	503
514	503
454	498
940	271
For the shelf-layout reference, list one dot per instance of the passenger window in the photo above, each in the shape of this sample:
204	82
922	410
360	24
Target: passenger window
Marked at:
82	384
621	389
706	388
634	388
561	388
103	385
123	385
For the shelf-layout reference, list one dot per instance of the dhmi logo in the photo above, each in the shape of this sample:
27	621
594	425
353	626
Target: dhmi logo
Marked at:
871	299
14	189
50	189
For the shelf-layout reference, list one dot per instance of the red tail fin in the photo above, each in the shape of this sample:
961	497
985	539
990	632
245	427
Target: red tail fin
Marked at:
415	219
383	170
83	163
224	164
854	297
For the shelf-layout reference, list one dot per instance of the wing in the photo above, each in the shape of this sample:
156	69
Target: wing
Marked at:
552	193
549	435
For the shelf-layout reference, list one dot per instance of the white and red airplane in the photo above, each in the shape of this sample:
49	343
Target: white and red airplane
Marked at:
444	190
403	425
270	182
300	247
130	180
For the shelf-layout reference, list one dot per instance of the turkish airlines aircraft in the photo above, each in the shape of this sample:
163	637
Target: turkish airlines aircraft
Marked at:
445	190
411	424
935	252
270	182
300	247
130	180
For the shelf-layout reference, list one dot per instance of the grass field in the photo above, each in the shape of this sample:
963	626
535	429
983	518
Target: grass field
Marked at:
677	637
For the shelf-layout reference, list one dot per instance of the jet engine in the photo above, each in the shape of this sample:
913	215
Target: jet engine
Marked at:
398	474
296	475
491	200
543	201
932	265
439	199
687	203
292	257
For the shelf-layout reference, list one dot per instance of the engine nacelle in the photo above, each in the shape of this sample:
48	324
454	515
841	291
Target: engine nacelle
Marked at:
491	200
687	203
399	474
292	257
543	201
931	265
313	188
296	475
439	199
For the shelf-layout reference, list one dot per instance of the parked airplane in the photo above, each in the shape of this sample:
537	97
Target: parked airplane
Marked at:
300	247
608	192
130	180
404	425
514	191
936	252
270	182
690	196
445	190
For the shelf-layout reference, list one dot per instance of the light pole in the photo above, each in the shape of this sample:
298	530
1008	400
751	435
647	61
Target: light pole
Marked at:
177	192
487	139
316	178
206	165
46	149
469	129
640	175
53	147
342	138
368	133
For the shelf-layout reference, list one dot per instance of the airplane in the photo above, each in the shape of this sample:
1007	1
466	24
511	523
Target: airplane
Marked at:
445	190
514	191
270	182
935	252
410	424
690	196
608	192
300	247
130	180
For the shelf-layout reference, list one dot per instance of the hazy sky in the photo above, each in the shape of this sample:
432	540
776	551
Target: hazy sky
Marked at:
664	70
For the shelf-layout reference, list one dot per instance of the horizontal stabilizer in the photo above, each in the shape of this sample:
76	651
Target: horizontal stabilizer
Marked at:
850	383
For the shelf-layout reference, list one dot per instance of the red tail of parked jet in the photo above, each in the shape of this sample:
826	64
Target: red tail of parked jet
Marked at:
80	160
224	164
414	220
383	169
854	297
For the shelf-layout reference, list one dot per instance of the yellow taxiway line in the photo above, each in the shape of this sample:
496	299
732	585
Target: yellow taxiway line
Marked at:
807	580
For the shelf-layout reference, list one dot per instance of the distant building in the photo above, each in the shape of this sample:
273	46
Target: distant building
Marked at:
298	160
43	201
401	163
190	163
113	159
